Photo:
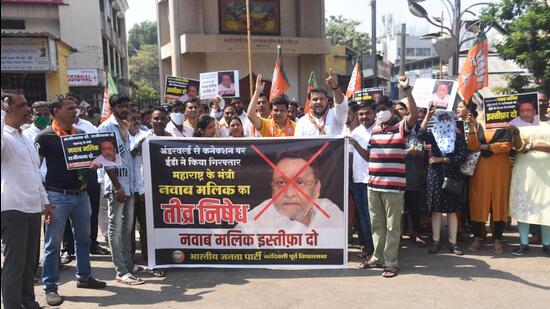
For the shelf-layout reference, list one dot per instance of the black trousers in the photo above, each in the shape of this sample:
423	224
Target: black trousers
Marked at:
21	236
68	238
412	209
139	214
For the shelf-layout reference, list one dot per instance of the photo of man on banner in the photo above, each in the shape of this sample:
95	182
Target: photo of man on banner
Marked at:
295	204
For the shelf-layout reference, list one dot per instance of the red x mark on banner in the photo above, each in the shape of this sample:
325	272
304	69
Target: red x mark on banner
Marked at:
290	181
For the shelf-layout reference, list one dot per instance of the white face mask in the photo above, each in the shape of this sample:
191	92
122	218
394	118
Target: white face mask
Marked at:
177	118
383	116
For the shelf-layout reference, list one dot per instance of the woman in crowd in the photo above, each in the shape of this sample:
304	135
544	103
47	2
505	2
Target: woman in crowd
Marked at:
416	178
236	127
445	181
530	185
206	127
489	188
466	113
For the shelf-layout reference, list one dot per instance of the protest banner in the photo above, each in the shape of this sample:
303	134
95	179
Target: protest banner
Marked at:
83	150
501	111
223	83
246	202
180	88
441	93
368	94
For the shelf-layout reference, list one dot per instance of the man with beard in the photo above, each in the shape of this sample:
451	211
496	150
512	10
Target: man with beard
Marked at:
238	103
227	113
293	110
67	192
387	180
279	125
119	189
321	120
360	137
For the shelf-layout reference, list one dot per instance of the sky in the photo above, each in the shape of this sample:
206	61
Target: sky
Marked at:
140	10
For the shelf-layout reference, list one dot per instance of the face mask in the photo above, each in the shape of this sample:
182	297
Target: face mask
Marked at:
41	122
383	116
177	118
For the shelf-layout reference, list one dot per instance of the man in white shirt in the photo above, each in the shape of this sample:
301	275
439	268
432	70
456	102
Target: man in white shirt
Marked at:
291	210
360	137
321	120
176	126
23	199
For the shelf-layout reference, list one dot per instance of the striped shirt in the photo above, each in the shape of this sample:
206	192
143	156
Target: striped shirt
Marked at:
387	151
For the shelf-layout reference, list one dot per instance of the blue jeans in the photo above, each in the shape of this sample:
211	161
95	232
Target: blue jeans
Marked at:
360	198
121	221
78	209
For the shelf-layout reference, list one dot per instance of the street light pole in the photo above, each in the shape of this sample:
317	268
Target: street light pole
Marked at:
375	62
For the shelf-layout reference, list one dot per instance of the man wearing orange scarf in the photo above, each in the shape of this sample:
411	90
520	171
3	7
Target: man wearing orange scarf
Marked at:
279	125
66	191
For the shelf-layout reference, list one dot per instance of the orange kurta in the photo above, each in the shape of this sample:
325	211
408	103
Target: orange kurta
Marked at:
490	185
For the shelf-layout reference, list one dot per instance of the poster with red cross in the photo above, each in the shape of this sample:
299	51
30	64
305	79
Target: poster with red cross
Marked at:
246	203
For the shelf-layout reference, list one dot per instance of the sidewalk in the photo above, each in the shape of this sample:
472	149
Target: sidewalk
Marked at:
425	281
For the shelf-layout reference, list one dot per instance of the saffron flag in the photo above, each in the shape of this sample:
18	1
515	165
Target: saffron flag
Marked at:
279	81
355	81
475	71
109	90
311	83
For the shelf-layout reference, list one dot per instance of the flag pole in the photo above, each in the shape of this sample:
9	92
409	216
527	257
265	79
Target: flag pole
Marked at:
361	72
250	77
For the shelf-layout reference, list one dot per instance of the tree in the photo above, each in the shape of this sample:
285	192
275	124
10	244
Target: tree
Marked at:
143	93
342	31
144	65
144	33
527	41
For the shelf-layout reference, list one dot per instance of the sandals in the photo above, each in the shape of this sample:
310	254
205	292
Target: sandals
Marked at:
159	273
369	264
129	279
390	272
139	269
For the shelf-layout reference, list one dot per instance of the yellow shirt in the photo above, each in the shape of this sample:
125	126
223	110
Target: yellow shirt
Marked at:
270	129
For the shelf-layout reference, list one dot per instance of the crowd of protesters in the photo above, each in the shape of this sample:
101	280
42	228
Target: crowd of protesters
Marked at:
409	168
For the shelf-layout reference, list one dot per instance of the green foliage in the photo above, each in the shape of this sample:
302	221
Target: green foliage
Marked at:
143	63
516	84
342	31
144	33
143	93
528	41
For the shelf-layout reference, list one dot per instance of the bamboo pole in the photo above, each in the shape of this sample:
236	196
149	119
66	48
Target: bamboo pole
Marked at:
248	36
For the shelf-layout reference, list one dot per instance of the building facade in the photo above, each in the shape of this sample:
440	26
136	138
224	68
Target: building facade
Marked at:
94	30
197	36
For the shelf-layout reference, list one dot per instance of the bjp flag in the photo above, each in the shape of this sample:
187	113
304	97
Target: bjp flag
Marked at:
279	82
355	81
475	71
311	83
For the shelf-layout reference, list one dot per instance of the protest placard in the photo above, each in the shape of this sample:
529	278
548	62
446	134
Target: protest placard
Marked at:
368	94
441	93
83	150
180	88
246	202
223	83
516	109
